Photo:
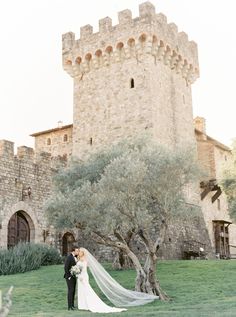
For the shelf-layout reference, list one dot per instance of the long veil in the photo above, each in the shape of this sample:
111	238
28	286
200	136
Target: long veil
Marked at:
116	293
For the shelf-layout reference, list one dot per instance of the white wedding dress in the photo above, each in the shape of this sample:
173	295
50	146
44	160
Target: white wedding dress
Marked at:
87	298
116	293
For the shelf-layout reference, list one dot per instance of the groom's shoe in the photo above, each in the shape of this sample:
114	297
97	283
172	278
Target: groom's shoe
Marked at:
71	308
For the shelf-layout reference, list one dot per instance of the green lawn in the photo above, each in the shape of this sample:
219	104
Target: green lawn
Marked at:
197	288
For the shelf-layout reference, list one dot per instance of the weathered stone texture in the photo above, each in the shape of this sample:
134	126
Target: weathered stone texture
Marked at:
162	64
17	173
57	142
217	211
129	79
213	157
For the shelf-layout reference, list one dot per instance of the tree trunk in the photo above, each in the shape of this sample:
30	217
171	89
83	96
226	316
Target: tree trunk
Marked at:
147	281
122	261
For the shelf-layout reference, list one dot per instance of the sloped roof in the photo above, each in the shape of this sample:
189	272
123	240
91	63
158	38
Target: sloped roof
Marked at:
52	130
214	141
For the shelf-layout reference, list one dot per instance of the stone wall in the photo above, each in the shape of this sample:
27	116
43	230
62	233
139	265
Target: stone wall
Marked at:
217	211
129	78
191	227
223	159
18	173
57	142
213	158
206	158
136	77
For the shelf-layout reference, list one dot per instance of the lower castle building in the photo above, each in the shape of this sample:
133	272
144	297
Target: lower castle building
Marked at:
128	78
26	180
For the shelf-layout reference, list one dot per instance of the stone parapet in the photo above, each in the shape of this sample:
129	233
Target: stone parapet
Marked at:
6	148
27	155
148	34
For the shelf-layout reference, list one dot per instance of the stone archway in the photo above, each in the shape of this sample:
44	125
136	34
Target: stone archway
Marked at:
67	242
28	217
18	229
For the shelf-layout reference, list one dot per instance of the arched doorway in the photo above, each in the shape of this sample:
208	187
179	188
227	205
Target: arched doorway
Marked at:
67	241
18	229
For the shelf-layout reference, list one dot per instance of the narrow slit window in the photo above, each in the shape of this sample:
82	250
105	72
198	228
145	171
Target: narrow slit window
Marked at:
49	141
91	141
131	83
65	138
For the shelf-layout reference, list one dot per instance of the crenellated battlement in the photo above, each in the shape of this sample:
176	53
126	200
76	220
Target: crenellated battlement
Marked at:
6	148
148	34
24	153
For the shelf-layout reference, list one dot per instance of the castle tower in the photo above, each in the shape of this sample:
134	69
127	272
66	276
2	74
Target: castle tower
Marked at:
129	78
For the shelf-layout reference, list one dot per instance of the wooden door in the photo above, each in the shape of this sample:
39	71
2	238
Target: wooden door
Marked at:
18	229
222	239
12	231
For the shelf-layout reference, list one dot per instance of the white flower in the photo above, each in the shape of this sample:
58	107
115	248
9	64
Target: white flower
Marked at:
76	270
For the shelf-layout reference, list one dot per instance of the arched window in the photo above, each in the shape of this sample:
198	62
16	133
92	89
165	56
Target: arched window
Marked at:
49	142
131	42
142	39
88	57
120	49
108	55
154	39
78	60
109	50
98	53
120	46
131	46
65	138
131	83
68	62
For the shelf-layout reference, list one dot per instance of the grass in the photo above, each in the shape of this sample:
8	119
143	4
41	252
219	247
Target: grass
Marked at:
197	288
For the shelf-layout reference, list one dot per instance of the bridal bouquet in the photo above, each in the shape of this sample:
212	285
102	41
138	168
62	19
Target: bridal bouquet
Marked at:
76	270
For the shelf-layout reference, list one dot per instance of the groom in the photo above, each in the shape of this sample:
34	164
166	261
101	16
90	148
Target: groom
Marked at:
71	280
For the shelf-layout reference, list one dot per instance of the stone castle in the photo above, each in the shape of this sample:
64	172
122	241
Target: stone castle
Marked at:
128	78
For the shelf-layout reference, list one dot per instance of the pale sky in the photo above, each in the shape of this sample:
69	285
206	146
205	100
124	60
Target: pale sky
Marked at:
36	93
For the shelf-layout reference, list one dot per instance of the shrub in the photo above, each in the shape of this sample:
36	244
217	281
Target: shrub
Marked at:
26	257
49	255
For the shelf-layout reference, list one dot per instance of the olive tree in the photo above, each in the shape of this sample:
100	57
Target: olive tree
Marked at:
130	189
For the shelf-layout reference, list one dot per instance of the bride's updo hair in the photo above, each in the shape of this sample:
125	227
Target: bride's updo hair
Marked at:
82	250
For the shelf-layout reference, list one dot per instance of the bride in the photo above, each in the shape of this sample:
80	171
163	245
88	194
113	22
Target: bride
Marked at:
117	294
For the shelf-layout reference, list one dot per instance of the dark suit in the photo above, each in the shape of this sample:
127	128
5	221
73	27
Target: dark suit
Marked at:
70	280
